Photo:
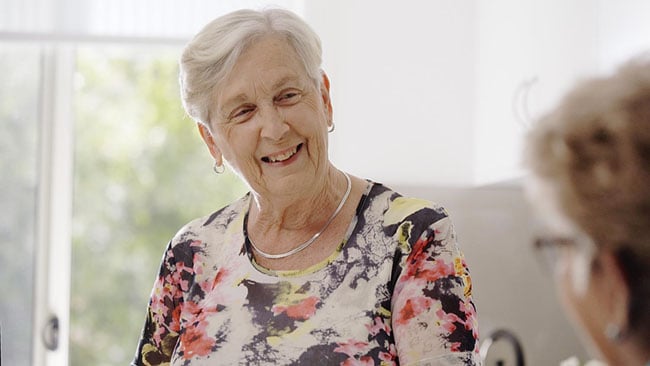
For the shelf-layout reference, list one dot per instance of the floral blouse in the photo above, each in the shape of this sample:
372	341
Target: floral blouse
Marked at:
397	291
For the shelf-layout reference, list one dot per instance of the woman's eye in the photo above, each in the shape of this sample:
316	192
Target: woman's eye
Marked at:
241	114
288	98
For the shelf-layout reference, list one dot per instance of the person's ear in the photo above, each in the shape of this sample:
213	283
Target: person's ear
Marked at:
207	137
325	95
614	289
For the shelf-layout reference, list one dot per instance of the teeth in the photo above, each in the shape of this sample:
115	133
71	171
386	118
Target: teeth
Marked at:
283	157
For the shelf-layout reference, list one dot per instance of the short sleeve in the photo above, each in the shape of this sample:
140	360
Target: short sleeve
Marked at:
433	316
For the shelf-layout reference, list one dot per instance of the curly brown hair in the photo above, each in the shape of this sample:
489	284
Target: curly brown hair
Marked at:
593	150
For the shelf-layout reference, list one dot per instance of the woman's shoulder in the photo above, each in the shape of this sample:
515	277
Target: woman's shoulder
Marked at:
397	208
213	224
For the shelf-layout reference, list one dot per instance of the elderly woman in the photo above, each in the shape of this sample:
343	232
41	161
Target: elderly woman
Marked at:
591	180
313	266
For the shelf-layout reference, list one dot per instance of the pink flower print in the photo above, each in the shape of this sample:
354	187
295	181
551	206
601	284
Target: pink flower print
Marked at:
157	335
388	358
224	290
412	308
419	266
158	307
180	267
471	322
176	276
455	346
220	277
378	324
363	361
448	320
198	265
417	253
303	310
351	347
165	288
176	319
432	271
161	300
193	311
195	341
469	311
206	286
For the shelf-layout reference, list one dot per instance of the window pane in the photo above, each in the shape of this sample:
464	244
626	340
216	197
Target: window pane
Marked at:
141	172
19	106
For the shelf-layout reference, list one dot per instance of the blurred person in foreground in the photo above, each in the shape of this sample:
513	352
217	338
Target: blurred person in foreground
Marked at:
590	162
313	266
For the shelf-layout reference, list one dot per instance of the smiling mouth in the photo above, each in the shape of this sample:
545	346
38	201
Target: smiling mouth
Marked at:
288	154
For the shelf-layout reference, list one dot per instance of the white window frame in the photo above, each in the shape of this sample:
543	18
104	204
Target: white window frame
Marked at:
54	207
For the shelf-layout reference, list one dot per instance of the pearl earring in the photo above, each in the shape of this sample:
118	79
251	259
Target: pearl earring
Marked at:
613	332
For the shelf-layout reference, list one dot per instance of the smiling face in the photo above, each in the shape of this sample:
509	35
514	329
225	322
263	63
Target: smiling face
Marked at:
270	120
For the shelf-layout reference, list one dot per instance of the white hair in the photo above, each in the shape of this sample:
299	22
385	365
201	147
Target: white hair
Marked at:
211	55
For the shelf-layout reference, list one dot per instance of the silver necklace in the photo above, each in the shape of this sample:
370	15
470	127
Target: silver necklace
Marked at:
313	238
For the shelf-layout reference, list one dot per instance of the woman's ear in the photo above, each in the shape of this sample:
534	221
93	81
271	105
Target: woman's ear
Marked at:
613	288
210	143
325	94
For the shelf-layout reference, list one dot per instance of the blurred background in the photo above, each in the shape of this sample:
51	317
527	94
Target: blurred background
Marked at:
100	167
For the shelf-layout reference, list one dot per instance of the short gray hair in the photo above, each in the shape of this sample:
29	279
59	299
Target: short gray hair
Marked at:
213	52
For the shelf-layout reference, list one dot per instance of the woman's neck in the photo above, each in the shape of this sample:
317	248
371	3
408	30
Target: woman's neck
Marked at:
302	210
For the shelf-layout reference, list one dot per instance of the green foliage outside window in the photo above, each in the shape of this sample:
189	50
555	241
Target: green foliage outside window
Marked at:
18	198
141	172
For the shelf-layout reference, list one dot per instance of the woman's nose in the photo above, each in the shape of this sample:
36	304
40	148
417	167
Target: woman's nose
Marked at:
273	123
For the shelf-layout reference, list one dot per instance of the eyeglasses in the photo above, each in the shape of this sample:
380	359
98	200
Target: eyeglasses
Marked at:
551	251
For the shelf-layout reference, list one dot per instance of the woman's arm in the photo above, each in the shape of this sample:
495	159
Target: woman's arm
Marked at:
433	316
162	325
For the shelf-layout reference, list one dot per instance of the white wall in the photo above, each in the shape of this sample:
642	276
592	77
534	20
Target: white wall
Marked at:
442	92
624	30
402	77
529	54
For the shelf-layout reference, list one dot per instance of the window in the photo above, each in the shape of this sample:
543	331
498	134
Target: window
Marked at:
19	163
100	167
141	172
